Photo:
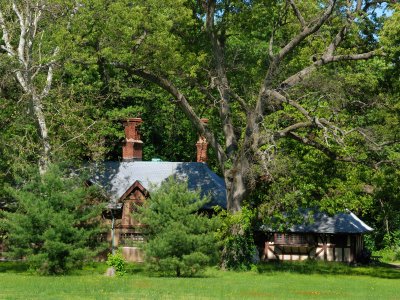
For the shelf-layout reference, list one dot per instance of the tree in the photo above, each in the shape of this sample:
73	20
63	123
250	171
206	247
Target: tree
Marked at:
179	240
253	62
31	58
56	225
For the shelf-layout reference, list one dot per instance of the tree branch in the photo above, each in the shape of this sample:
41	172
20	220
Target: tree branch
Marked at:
278	96
330	130
331	154
359	4
307	31
240	100
37	17
49	78
75	137
140	40
182	102
6	37
328	56
297	13
314	144
294	42
301	75
270	46
285	132
22	36
222	82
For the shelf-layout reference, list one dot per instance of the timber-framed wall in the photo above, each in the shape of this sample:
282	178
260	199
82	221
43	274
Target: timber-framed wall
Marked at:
302	246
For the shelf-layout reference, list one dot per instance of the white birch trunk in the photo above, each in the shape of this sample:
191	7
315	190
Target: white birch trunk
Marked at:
28	18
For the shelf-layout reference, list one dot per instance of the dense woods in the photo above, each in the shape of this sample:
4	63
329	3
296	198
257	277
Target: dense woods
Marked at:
302	97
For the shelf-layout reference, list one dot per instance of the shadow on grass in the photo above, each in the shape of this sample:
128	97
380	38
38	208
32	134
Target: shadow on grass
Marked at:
380	270
93	268
100	268
209	272
135	268
13	267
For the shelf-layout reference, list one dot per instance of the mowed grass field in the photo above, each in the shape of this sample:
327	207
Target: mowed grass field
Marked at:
270	281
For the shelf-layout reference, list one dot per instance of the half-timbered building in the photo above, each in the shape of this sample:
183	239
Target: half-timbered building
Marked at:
321	237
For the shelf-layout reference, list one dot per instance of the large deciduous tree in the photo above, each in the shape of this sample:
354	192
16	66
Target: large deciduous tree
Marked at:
259	65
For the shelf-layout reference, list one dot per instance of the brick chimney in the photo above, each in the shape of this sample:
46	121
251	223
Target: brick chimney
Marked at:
202	146
132	146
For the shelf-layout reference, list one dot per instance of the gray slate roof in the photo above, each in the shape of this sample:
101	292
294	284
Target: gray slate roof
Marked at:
117	177
344	222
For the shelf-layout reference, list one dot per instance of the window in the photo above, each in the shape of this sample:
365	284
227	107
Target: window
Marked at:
340	240
131	238
290	239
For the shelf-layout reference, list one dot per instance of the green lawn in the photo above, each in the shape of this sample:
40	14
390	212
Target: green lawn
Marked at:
287	281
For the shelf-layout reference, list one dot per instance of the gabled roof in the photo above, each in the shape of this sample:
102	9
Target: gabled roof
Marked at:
117	177
319	222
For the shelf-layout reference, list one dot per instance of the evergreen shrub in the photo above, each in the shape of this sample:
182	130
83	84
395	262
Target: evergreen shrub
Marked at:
56	226
180	240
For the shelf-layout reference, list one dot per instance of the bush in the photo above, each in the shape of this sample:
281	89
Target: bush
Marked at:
389	254
391	251
117	261
180	241
236	235
56	225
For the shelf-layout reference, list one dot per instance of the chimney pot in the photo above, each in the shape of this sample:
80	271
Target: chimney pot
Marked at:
202	145
132	146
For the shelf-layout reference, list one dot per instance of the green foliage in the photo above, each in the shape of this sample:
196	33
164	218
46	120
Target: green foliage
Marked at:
306	179
56	224
385	211
118	262
389	254
391	33
180	240
388	243
236	236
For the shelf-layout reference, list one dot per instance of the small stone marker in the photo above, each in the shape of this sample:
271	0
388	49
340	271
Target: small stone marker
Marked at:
110	272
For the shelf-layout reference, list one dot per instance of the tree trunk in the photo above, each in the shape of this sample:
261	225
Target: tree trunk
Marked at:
28	16
385	217
235	181
44	159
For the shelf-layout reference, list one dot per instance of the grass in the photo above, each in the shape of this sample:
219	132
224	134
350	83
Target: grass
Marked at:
274	281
